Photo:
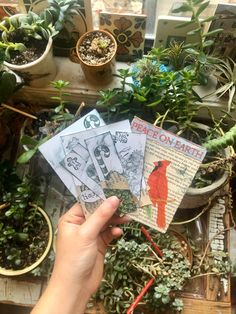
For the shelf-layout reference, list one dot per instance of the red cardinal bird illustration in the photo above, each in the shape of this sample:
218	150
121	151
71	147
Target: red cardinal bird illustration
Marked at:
158	190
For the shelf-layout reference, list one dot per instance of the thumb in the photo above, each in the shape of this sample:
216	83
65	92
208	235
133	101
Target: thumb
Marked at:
95	223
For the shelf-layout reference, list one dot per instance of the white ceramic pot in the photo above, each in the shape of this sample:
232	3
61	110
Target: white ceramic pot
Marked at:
12	272
39	72
197	197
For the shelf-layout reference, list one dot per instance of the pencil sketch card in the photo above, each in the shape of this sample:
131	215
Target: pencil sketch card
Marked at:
104	155
170	164
53	151
69	141
131	150
80	165
110	171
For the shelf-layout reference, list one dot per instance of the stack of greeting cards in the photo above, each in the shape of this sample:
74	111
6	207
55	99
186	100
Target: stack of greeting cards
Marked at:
146	167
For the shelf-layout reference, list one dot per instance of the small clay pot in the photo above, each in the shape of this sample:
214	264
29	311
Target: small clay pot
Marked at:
97	73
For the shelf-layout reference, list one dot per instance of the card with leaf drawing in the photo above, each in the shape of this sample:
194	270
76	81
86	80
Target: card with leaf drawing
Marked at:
110	171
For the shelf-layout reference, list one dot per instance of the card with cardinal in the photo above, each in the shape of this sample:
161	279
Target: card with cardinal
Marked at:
165	155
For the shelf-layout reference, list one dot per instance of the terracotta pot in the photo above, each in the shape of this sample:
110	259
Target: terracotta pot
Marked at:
197	197
12	272
39	72
97	74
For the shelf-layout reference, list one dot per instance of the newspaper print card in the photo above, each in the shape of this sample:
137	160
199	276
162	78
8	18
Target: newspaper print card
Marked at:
169	166
53	151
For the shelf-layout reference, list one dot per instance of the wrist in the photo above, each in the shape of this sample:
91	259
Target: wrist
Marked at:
67	284
62	296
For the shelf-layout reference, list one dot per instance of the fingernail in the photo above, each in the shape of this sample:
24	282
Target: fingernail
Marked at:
115	200
127	218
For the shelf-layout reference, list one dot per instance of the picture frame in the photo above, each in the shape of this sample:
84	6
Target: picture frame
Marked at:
166	31
225	41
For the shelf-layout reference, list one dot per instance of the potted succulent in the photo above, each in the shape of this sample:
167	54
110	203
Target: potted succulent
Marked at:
132	262
143	261
64	11
27	43
26	230
95	51
26	40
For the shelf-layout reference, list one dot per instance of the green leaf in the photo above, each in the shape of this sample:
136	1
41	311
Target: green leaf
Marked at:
196	2
27	140
48	17
192	51
140	98
185	24
58	108
18	262
55	98
202	7
208	43
194	31
202	58
208	19
20	236
15	22
183	8
165	299
216	31
153	104
21	47
26	156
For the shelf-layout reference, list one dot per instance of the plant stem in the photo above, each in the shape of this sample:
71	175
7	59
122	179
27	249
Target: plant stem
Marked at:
197	216
209	242
79	110
3	206
19	111
208	274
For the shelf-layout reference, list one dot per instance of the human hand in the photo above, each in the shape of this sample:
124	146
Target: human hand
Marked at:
81	244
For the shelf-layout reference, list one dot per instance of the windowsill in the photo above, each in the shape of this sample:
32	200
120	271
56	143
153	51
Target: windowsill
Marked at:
81	90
